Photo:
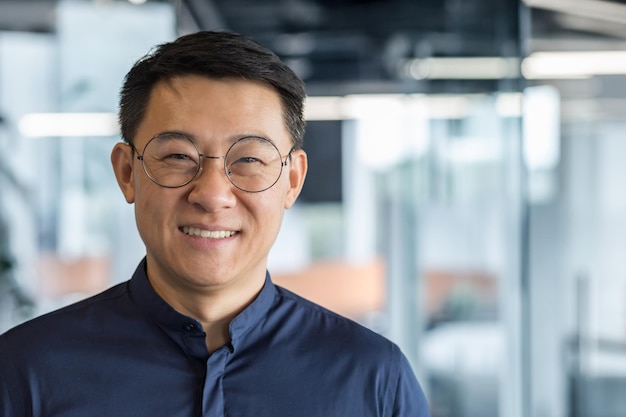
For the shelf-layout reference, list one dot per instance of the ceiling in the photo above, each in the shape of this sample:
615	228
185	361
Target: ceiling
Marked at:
361	45
348	46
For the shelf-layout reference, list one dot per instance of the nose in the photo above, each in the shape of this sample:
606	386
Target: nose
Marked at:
211	189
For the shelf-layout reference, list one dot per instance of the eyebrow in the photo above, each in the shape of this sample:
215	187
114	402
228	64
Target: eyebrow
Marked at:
230	141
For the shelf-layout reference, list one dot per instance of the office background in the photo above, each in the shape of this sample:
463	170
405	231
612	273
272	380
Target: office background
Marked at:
465	197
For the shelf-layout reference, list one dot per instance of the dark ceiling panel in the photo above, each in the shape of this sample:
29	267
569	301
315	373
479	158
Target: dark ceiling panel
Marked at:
27	15
361	40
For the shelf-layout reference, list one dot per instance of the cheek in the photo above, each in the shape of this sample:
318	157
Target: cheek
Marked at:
268	208
144	216
150	206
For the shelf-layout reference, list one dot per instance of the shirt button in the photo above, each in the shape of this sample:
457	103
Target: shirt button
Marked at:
190	327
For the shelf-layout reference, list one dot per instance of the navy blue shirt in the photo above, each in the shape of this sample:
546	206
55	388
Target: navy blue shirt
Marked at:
127	353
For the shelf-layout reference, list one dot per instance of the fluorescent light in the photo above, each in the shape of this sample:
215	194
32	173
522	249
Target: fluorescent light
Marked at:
355	106
347	107
462	68
324	108
573	64
539	65
68	124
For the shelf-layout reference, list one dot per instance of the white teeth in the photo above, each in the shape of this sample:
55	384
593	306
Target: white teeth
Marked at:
209	234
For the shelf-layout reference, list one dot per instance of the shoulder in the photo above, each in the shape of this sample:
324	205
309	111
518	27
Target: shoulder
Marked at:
59	323
357	355
310	320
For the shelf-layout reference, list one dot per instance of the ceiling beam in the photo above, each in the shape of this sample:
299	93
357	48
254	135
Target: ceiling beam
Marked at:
595	9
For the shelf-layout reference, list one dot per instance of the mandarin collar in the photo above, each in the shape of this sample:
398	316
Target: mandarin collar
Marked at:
179	326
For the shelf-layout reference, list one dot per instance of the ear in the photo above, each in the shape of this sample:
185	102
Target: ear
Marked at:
297	172
122	161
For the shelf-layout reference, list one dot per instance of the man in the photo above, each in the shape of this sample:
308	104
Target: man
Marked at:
213	127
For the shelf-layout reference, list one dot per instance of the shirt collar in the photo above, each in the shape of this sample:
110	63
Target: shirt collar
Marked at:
175	323
254	312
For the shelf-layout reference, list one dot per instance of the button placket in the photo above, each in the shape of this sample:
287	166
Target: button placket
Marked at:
213	391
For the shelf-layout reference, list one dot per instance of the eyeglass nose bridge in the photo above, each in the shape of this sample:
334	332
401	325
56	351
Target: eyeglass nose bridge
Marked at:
202	158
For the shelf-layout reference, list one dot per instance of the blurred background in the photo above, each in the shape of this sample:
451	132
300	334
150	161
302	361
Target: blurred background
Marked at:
466	195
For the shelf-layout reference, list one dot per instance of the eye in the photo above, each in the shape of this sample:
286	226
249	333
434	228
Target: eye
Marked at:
179	159
178	156
247	160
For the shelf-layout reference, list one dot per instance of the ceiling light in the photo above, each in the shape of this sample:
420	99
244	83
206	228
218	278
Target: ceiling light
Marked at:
358	105
68	124
573	64
462	68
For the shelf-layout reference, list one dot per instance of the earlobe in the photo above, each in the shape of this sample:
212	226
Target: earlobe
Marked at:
297	173
122	161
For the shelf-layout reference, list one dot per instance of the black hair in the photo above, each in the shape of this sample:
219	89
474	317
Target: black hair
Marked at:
213	55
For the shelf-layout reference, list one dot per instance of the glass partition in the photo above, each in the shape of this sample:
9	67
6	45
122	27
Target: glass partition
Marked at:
424	242
65	231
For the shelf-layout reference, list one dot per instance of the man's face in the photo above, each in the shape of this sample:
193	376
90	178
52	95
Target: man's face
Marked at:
214	113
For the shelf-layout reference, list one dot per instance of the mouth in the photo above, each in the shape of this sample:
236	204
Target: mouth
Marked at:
207	234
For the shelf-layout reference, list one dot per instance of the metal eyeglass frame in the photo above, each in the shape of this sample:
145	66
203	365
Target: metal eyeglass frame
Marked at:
201	156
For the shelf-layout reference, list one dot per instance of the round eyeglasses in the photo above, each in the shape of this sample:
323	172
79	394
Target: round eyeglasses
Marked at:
252	164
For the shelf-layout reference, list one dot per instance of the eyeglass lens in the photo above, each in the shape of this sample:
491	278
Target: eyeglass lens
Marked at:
252	163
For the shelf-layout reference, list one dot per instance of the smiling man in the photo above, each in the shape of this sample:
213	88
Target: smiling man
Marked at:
212	156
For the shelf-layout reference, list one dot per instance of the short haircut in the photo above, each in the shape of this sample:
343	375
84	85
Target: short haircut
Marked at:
213	55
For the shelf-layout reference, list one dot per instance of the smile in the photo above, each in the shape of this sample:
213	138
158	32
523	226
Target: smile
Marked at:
207	234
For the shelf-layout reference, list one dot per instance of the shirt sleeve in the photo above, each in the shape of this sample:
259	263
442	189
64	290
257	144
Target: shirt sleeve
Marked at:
410	400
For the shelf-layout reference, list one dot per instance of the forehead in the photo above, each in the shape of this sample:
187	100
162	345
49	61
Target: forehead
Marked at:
213	109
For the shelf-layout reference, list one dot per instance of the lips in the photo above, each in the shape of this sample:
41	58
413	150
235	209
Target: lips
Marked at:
207	234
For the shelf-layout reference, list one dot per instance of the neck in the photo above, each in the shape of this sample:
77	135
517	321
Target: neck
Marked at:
214	307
